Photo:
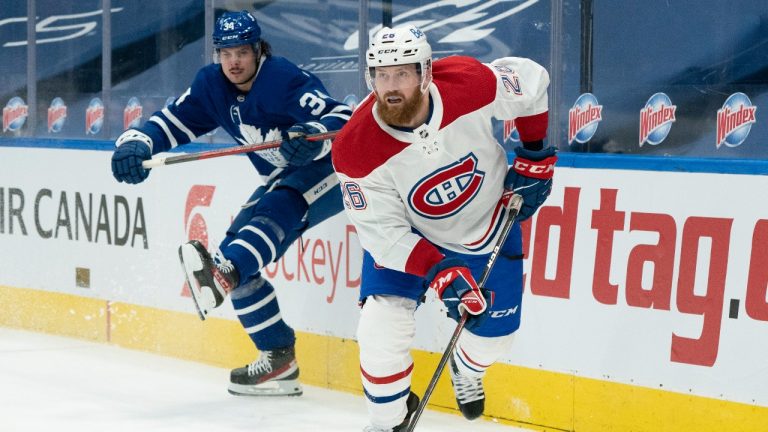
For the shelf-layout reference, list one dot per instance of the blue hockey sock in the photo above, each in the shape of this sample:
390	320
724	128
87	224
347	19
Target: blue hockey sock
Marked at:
258	311
259	241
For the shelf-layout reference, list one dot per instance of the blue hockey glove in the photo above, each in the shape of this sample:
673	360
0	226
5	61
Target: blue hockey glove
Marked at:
531	177
453	282
127	159
299	151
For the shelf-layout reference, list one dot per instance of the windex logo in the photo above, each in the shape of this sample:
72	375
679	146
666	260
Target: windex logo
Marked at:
14	114
734	120
132	113
656	119
94	117
583	118
57	115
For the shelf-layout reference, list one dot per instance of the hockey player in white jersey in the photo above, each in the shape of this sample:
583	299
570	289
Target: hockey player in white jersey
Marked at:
255	97
426	185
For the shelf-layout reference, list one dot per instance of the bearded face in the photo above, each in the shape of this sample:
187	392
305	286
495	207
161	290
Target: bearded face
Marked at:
398	94
398	109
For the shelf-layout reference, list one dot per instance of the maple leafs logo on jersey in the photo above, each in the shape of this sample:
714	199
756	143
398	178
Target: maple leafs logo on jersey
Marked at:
447	190
252	135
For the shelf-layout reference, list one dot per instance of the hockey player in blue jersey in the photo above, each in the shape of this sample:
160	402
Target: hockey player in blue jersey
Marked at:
255	97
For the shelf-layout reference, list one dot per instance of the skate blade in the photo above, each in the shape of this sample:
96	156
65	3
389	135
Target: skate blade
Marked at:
190	262
269	388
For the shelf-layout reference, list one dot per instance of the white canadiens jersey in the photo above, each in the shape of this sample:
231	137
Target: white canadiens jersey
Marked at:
443	181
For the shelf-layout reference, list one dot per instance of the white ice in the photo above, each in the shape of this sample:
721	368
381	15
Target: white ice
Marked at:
56	384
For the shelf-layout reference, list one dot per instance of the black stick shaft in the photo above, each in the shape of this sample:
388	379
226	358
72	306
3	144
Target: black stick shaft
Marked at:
514	207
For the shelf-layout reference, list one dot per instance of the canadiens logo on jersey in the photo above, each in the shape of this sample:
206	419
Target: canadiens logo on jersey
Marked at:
447	190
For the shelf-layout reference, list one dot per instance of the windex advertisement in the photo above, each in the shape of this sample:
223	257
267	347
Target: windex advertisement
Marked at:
652	280
649	93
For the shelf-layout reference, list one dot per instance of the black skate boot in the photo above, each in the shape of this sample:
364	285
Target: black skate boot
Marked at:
209	281
274	373
412	403
469	393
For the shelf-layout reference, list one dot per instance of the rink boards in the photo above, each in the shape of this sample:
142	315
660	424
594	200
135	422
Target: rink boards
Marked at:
645	305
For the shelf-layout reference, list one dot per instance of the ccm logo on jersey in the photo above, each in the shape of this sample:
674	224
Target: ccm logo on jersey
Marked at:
503	313
544	169
447	190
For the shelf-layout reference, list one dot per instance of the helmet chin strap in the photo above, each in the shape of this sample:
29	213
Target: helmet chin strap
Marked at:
425	85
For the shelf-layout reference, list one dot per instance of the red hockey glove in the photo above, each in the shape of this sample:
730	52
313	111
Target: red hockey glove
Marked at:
531	178
453	282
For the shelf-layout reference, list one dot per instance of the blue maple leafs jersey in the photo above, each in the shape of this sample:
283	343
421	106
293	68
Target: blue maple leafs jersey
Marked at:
281	96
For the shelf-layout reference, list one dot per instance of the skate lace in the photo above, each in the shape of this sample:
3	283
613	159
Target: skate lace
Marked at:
467	389
261	365
222	264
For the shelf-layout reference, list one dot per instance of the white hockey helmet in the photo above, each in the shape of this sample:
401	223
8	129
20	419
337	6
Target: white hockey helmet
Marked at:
398	46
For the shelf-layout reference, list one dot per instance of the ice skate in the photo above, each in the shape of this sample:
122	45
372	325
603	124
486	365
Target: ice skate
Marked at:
209	281
412	403
469	393
274	373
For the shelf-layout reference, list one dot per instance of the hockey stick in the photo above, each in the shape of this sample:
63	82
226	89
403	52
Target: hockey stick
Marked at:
189	157
514	208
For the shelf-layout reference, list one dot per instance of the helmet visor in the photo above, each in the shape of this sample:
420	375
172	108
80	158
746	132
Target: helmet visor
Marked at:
395	78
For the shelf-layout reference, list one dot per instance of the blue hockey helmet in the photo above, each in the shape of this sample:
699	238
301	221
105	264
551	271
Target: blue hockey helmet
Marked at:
235	29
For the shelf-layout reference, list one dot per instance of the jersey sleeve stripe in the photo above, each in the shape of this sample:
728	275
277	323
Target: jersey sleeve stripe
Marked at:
164	126
340	108
179	125
341	116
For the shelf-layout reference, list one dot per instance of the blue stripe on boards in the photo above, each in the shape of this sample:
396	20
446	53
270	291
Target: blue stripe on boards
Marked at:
565	159
99	145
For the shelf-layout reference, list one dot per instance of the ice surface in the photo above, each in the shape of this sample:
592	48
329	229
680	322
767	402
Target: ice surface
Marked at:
55	384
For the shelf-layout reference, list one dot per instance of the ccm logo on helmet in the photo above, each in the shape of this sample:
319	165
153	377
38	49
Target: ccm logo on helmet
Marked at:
387	51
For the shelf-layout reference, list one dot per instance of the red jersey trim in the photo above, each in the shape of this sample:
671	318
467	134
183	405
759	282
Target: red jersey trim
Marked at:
362	146
423	257
465	86
532	128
